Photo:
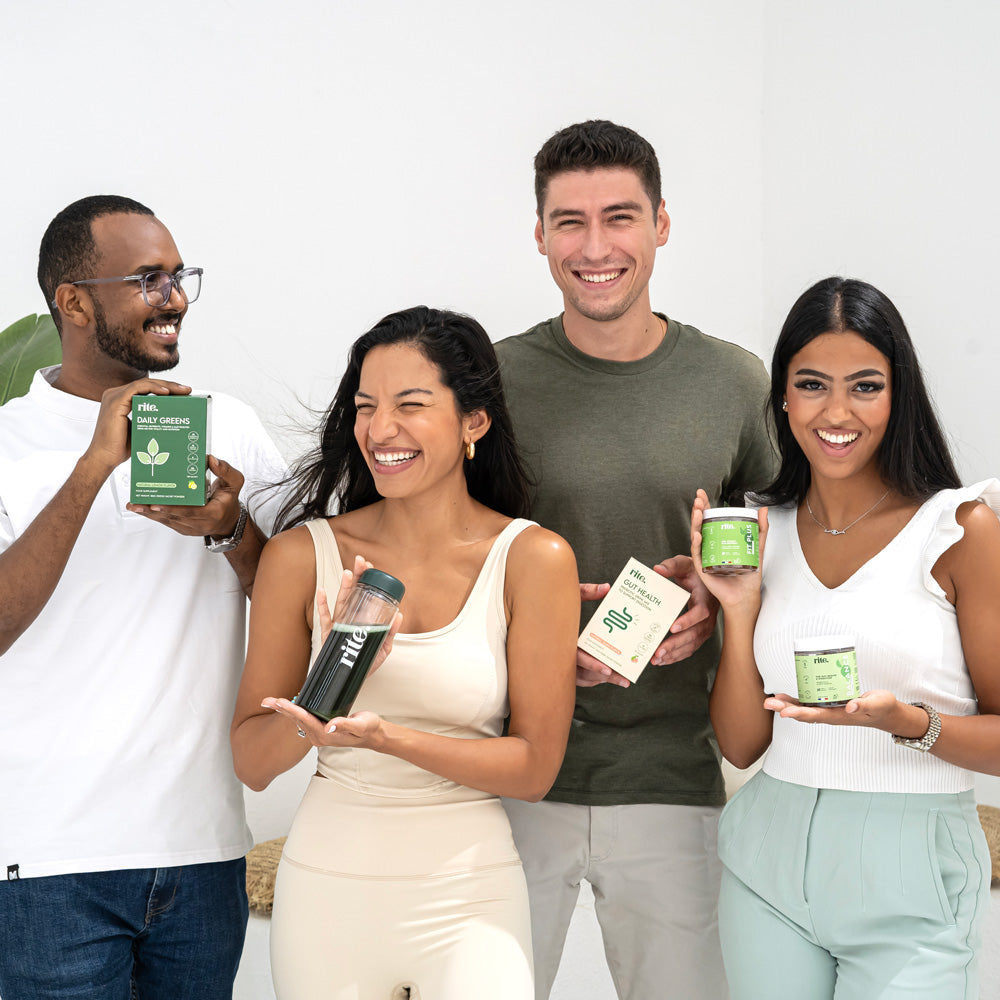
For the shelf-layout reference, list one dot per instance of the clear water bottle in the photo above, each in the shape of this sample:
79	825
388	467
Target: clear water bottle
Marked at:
357	635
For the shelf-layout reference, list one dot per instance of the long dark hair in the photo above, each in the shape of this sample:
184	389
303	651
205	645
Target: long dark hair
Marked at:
914	458
334	476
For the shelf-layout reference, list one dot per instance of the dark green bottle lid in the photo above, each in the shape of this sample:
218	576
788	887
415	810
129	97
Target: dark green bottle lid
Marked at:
383	581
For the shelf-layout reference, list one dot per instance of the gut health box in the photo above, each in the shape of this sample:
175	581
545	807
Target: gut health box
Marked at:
170	449
633	619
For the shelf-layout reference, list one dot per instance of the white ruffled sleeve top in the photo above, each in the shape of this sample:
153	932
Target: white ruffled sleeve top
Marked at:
907	641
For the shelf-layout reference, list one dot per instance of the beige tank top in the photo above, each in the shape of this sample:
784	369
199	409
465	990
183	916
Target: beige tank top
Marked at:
452	681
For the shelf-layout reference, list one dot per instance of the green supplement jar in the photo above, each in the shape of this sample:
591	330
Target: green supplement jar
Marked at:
826	668
729	541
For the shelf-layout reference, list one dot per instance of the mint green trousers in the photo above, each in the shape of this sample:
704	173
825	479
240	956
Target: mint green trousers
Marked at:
851	895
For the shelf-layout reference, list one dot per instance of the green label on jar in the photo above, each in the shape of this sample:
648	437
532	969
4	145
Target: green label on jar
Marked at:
828	677
730	542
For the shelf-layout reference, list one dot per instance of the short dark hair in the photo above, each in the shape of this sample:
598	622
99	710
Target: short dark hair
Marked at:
335	473
914	458
68	251
593	145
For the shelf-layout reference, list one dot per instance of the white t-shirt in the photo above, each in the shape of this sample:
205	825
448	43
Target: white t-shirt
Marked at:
116	702
907	642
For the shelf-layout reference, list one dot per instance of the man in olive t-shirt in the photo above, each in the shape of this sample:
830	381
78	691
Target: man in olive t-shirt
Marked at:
622	414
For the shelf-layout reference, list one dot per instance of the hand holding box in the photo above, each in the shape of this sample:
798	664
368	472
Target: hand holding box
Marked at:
633	619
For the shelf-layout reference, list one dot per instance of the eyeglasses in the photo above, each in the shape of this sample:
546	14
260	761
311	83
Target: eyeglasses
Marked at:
158	286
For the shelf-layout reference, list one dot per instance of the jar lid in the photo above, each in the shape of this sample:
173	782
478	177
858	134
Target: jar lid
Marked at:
389	585
824	643
741	513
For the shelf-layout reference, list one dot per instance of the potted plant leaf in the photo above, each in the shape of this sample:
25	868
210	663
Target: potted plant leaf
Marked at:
25	346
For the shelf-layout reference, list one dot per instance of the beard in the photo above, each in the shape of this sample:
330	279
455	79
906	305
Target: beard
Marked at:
119	342
607	311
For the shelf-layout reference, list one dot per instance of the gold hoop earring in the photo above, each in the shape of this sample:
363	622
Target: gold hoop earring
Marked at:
470	450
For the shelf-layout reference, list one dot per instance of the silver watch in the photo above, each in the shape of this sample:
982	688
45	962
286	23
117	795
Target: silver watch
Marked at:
230	543
925	742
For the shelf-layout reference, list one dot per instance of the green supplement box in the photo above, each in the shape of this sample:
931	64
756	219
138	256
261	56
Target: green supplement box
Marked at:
170	449
633	619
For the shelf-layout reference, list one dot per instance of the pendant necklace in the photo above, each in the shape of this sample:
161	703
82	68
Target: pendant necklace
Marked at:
843	531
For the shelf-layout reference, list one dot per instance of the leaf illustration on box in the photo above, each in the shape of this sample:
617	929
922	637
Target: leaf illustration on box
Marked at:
153	457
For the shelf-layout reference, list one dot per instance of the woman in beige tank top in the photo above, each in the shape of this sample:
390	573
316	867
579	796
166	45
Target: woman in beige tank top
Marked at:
400	878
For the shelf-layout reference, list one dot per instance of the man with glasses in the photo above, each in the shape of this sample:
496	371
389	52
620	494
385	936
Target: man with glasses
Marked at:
122	830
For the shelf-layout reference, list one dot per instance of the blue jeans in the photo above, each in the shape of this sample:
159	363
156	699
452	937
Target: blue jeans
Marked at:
135	934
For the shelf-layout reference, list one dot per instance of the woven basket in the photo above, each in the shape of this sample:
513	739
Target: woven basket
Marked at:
262	864
989	816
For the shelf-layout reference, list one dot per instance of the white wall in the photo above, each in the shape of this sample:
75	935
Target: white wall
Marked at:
881	158
329	162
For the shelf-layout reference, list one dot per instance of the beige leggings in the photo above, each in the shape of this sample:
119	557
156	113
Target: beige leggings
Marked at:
438	909
450	938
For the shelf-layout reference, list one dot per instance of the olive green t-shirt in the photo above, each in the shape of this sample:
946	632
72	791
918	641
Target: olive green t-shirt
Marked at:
617	451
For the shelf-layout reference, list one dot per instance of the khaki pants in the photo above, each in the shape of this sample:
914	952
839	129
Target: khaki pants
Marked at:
655	875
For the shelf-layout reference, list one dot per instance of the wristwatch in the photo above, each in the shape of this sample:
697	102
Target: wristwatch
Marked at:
230	543
925	742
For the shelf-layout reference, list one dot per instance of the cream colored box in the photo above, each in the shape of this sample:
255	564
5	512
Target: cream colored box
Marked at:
633	619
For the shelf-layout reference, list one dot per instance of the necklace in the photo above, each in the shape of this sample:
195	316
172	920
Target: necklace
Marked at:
843	531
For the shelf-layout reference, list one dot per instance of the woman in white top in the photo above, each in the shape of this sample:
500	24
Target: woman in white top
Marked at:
400	877
855	865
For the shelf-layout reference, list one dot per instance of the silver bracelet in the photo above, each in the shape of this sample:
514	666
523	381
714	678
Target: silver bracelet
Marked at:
925	742
230	543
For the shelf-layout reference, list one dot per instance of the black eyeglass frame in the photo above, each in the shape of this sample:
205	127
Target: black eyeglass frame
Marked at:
174	279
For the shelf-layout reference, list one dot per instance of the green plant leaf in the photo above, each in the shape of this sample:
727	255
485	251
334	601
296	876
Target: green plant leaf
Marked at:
25	346
144	458
154	448
161	458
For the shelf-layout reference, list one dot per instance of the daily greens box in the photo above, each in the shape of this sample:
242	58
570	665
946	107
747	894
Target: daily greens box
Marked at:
170	449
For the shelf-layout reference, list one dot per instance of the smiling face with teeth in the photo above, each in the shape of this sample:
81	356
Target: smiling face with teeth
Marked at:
839	397
126	331
600	234
408	425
